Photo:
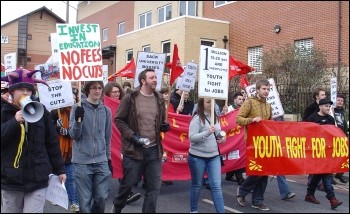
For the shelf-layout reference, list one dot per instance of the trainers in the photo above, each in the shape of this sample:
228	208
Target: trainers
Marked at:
240	199
74	208
311	199
335	203
260	207
289	196
341	178
133	197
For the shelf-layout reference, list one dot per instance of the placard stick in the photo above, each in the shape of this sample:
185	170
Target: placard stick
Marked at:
212	112
79	98
181	101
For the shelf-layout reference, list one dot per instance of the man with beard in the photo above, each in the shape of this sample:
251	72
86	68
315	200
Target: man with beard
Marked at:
140	119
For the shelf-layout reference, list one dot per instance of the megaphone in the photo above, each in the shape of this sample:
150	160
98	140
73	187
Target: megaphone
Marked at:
32	111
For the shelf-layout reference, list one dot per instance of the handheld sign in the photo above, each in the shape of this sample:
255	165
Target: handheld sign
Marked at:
80	52
273	98
189	77
213	75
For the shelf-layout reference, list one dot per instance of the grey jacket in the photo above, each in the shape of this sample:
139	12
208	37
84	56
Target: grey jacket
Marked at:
92	136
203	143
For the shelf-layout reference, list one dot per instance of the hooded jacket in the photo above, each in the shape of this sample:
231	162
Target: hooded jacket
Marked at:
92	136
39	155
253	107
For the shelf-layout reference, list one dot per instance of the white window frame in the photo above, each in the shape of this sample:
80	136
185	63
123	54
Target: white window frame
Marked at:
255	58
127	54
121	28
147	19
221	3
167	54
305	46
105	34
144	48
187	8
164	18
208	40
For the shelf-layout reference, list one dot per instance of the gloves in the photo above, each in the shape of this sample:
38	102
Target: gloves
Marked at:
135	138
138	140
59	123
79	113
63	131
110	165
165	127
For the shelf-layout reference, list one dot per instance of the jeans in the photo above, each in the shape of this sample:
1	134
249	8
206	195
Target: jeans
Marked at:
213	168
70	185
151	168
92	182
282	186
256	183
326	180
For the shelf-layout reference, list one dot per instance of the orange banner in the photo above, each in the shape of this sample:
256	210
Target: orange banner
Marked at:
291	148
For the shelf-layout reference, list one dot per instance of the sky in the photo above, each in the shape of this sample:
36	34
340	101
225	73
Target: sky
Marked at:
11	10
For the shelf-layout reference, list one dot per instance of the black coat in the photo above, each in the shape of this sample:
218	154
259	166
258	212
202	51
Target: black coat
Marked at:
310	110
40	153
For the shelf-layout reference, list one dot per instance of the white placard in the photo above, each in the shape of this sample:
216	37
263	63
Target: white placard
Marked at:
334	90
10	61
155	61
4	39
55	56
189	77
56	192
213	72
273	98
80	52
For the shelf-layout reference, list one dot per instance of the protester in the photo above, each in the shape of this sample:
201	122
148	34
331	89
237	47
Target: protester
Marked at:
318	94
186	108
165	92
204	155
140	119
253	110
339	116
322	117
126	86
62	125
115	91
29	151
90	128
238	173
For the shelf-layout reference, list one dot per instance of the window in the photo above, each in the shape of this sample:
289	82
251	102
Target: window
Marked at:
29	58
188	8
105	34
146	48
219	3
129	56
254	58
166	50
304	46
29	36
164	13
208	43
145	20
121	28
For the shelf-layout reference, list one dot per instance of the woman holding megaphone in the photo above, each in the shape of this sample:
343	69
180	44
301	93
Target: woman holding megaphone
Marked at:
29	149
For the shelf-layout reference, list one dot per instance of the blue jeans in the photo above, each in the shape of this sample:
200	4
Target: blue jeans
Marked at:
256	183
282	186
326	180
70	185
151	168
92	182
213	168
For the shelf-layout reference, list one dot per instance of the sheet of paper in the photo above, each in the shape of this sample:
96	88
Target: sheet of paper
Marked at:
56	192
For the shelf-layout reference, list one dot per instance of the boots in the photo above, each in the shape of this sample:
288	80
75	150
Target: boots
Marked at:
334	202
310	198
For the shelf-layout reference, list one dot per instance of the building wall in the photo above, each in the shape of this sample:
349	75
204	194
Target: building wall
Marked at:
10	30
252	24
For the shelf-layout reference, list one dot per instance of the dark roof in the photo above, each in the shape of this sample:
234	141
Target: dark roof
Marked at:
59	19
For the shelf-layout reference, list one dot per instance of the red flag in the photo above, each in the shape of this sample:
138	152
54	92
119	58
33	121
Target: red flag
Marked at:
237	67
176	67
128	71
244	82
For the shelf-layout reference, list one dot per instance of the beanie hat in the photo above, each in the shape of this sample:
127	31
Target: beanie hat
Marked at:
22	78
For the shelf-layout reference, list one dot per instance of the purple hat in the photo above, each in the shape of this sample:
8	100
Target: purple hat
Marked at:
22	78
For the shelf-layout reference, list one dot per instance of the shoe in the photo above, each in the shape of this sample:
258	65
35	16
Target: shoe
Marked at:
334	202
320	187
260	207
133	197
341	178
240	199
311	199
230	179
167	183
74	208
333	182
114	210
289	196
